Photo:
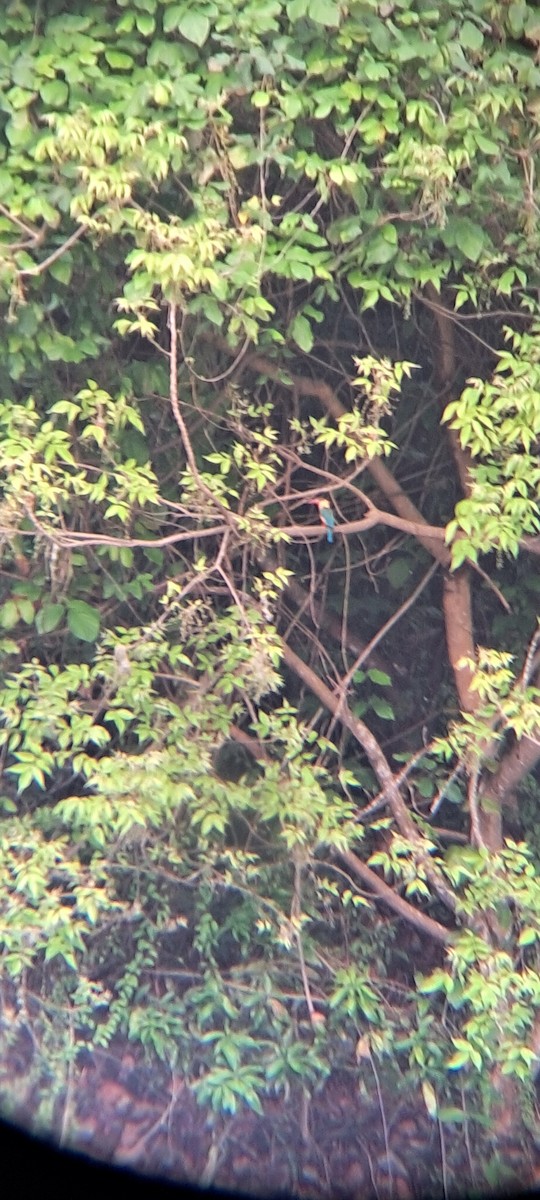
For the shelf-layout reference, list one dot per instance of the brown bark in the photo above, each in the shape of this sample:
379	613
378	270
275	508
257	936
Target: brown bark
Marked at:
391	898
447	373
404	822
379	472
459	635
457	598
486	822
408	511
499	788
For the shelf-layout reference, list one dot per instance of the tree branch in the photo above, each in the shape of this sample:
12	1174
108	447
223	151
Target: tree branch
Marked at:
391	898
447	374
458	621
47	262
336	705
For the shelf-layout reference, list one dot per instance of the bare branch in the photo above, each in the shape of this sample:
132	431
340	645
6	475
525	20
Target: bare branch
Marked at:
47	262
366	652
400	906
382	769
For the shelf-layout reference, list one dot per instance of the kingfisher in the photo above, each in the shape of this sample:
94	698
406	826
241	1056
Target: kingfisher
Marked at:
327	517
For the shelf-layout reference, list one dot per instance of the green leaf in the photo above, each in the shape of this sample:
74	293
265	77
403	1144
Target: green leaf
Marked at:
54	93
379	677
161	94
119	60
466	235
48	617
62	269
430	1099
302	333
452	1116
212	310
195	27
470	36
8	646
487	145
145	24
382	708
528	936
463	551
381	249
171	17
26	610
470	240
324	12
432	983
399	571
458	1060
83	620
296	10
9	615
425	787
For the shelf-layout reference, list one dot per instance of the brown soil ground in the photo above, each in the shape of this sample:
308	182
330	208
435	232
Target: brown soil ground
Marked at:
116	1106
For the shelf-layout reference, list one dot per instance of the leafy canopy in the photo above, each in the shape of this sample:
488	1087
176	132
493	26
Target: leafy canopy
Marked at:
252	252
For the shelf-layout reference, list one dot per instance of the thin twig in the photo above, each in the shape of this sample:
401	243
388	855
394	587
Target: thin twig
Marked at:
296	912
383	1118
396	616
378	761
47	262
477	837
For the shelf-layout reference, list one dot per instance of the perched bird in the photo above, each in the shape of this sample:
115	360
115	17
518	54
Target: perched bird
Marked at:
327	517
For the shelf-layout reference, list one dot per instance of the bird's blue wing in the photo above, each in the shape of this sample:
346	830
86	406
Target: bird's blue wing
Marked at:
330	521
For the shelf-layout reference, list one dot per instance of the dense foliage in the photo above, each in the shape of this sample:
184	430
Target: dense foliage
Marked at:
268	801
